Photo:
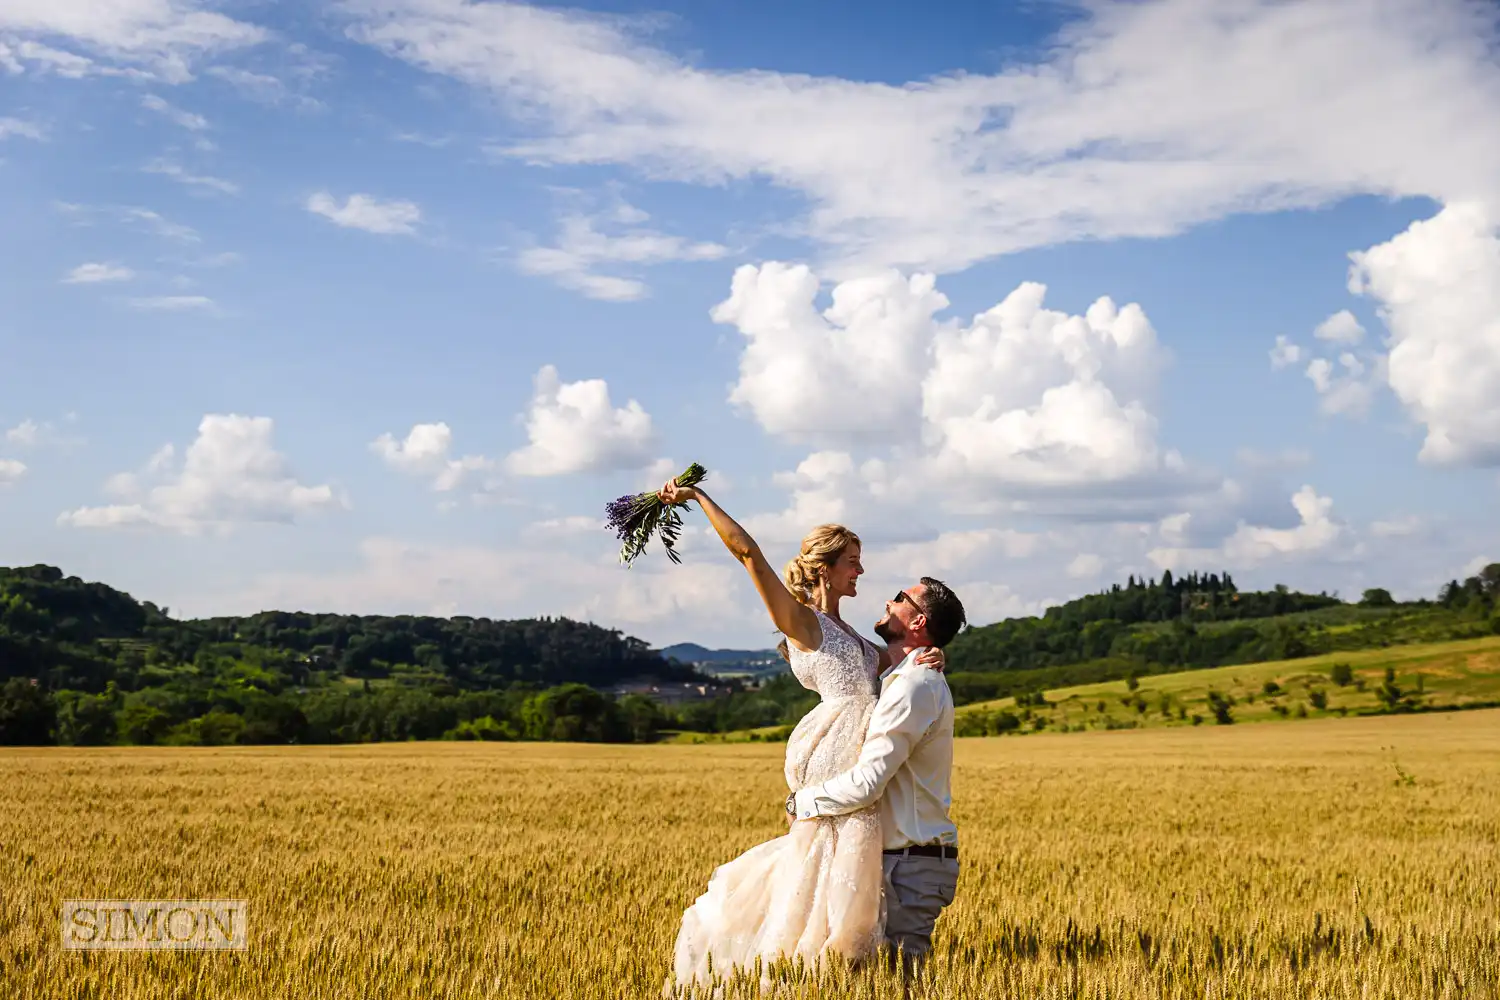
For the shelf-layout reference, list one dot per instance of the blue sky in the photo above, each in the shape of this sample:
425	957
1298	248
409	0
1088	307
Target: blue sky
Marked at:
411	288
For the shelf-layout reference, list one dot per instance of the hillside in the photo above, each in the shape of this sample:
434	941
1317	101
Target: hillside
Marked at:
84	663
1412	678
1153	627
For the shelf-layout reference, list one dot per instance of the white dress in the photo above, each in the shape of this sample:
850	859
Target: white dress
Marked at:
818	890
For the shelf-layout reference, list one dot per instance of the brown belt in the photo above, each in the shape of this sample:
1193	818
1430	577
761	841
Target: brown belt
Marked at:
926	851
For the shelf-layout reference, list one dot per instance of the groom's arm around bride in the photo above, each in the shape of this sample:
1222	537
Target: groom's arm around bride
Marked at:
905	766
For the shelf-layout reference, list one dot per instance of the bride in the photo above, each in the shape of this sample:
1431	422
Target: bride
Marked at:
817	891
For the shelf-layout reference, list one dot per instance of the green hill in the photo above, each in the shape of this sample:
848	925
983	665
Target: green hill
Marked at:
1152	627
1417	677
83	663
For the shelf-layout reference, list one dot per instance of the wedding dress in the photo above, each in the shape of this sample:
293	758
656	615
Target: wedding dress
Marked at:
817	891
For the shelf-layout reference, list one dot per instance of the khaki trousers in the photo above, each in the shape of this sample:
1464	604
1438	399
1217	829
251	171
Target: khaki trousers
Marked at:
916	890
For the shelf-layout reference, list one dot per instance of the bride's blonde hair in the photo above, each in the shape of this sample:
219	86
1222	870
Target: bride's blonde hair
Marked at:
820	549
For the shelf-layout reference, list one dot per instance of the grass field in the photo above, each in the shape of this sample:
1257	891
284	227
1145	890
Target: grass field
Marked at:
1348	858
1433	675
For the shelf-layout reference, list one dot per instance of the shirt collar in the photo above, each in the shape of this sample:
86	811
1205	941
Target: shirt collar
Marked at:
908	658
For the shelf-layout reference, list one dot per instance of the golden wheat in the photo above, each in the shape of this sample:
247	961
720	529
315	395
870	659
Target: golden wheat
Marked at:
1339	858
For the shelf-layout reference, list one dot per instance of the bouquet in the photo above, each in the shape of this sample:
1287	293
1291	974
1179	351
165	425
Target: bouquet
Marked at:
636	517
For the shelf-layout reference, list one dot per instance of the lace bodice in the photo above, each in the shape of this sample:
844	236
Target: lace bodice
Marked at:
841	666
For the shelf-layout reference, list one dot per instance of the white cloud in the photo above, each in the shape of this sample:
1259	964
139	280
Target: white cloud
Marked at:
16	127
1029	398
1348	389
186	119
1285	353
1086	566
1022	402
160	38
1317	532
426	452
827	487
362	211
25	434
1341	328
36	434
1254	106
173	303
93	273
849	373
583	249
176	172
11	471
1473	566
230	475
573	427
967	551
1438	287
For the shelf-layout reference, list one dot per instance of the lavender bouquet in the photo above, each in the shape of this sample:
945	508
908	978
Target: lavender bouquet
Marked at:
636	517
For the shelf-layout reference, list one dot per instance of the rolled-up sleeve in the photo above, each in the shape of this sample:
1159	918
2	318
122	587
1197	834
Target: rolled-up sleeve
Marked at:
904	714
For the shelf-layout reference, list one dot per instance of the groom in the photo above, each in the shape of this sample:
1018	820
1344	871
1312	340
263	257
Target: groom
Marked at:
905	765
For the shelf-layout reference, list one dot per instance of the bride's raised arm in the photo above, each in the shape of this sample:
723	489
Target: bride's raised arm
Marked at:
790	616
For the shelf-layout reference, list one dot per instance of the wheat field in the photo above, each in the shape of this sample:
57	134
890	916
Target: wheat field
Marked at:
1333	858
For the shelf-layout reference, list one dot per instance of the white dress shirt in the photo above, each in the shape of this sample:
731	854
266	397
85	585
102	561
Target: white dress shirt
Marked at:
907	756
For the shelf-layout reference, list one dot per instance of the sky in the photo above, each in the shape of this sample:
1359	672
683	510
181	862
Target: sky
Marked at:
370	307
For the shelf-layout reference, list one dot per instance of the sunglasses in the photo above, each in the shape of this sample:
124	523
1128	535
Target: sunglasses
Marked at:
902	595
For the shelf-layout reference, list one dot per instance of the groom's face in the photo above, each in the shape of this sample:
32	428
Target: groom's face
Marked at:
903	615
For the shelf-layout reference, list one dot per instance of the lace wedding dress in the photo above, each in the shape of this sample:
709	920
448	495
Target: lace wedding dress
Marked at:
818	890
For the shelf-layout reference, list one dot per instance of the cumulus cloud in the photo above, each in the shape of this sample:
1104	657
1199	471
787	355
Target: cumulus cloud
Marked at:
427	453
1281	112
1022	399
573	427
363	211
1285	353
826	487
1086	566
588	245
93	273
849	373
1438	288
1346	388
1341	328
11	471
1250	545
154	38
230	475
1030	398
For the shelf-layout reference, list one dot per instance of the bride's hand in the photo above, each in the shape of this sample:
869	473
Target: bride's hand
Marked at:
933	657
672	493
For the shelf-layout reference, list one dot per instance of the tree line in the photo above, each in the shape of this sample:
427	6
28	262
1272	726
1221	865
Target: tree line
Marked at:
84	664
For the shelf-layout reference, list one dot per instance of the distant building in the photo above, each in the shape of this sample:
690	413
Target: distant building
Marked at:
669	692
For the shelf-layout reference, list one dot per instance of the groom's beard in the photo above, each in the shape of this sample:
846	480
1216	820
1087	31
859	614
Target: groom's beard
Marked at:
889	629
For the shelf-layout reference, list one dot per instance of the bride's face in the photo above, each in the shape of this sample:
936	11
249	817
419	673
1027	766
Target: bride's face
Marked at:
843	576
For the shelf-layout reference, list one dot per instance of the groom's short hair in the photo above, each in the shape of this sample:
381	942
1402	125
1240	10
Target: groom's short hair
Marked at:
944	611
